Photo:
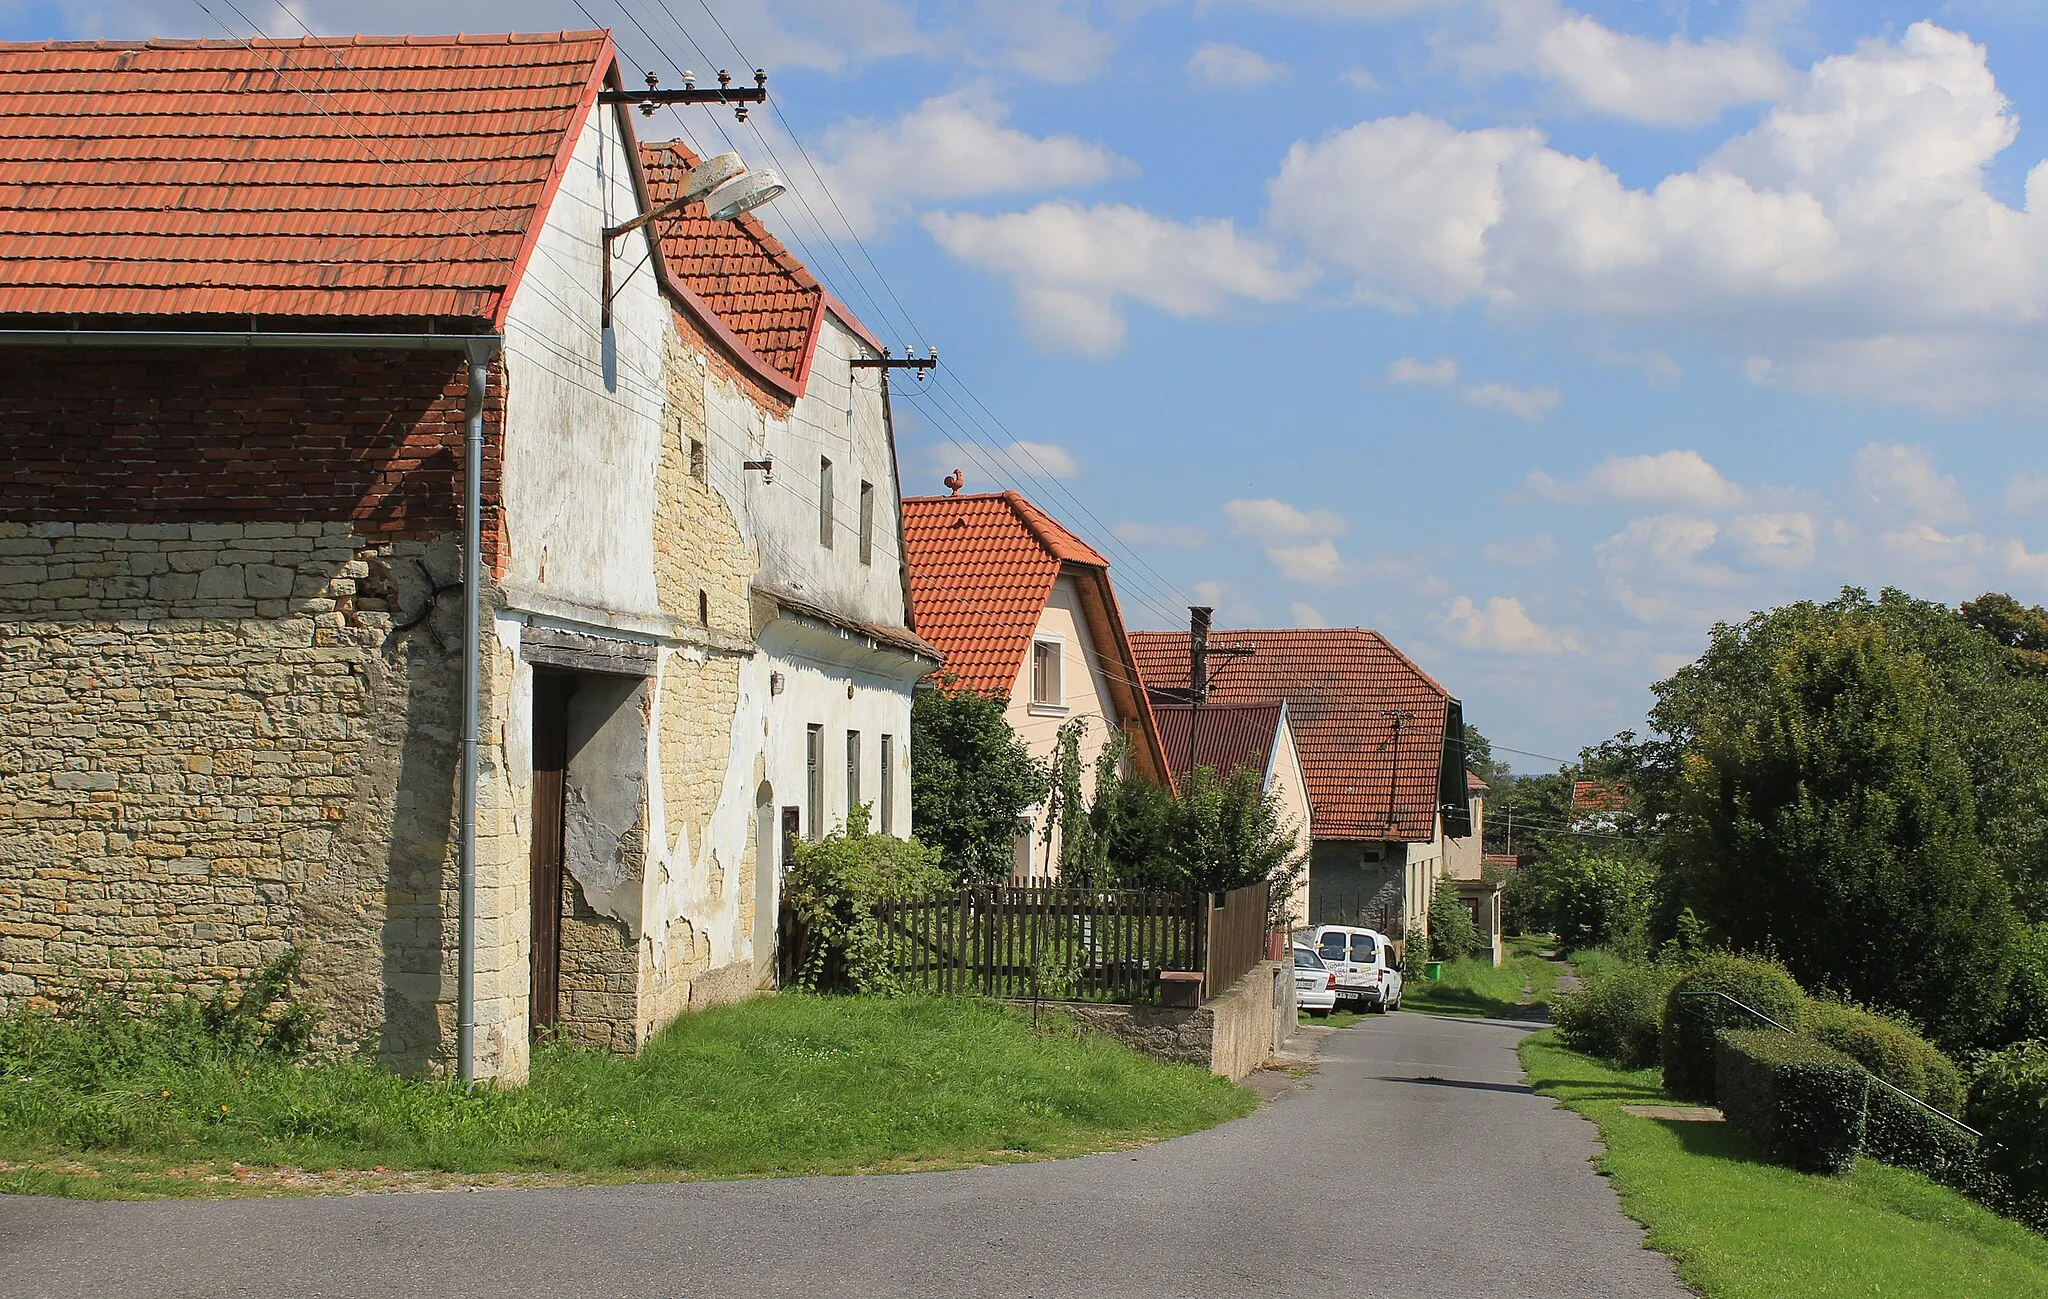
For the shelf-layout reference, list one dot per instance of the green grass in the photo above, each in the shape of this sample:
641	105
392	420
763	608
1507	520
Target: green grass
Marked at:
1741	1228
1594	961
1336	1018
788	1084
1480	988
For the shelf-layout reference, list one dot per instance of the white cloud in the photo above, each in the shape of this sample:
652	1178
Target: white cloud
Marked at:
1676	82
1530	404
1649	560
1360	79
1013	461
1848	241
1316	561
1523	551
1773	540
1267	519
1071	267
1307	615
1682	478
1440	373
2026	492
1901	482
1177	535
1220	66
1503	626
1052	40
947	148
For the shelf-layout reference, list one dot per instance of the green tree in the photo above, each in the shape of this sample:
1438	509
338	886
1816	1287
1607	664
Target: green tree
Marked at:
1590	893
1452	933
834	886
1479	759
1228	833
1826	804
2021	629
971	778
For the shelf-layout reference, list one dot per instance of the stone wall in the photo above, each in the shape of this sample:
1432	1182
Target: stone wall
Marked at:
230	676
1231	1034
214	743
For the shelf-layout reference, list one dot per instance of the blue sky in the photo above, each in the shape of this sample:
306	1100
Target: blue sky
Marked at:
1537	335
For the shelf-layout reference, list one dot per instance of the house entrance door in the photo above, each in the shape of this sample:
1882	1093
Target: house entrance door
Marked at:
551	693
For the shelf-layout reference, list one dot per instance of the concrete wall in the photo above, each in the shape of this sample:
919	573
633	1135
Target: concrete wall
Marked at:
1465	858
1231	1035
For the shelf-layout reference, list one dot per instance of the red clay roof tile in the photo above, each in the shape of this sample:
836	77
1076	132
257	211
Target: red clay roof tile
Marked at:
1341	685
356	176
761	292
1227	737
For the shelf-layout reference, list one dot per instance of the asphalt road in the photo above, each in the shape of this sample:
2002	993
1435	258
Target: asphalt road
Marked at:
1415	1164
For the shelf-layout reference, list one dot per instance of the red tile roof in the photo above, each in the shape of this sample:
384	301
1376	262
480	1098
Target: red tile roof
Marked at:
1474	783
356	176
1227	737
1340	684
981	568
754	285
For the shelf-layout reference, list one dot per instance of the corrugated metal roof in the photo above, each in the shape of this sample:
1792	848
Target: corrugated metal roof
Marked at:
352	176
1342	685
1227	737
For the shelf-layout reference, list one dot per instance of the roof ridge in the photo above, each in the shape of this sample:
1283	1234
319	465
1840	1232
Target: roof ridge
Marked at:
1037	521
564	36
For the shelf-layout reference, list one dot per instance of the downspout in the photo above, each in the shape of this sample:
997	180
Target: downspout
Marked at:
472	652
479	348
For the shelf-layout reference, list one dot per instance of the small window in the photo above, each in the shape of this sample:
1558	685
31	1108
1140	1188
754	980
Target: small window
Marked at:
867	523
1304	959
1362	948
1331	947
887	790
703	608
697	459
1045	673
825	503
814	778
852	774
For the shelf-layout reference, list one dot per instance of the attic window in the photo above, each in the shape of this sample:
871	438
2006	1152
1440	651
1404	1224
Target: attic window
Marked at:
697	459
1045	674
824	502
867	523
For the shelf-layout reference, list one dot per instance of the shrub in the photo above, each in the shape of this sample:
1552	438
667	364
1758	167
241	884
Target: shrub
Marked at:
1691	1022
2009	1104
1801	1101
834	886
1905	1136
1451	931
1889	1048
1618	1014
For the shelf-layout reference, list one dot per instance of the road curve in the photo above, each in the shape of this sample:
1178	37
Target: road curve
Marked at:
1415	1163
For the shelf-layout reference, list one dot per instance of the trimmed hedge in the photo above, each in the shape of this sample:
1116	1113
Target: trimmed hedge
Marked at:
1690	1023
1618	1015
1905	1136
1801	1101
1888	1048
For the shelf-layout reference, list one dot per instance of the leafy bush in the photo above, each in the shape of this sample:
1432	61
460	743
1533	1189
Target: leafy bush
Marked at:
833	888
2009	1105
1906	1136
1690	1023
970	778
1619	1013
1801	1101
1889	1048
1451	931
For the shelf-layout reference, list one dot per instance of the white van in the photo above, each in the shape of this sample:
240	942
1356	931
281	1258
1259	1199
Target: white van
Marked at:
1363	961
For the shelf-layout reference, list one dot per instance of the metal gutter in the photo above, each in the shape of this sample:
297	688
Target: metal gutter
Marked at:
478	348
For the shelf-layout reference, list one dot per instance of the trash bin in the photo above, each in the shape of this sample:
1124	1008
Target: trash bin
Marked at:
1433	971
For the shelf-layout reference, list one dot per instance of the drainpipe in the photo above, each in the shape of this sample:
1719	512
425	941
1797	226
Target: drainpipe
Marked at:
479	349
472	652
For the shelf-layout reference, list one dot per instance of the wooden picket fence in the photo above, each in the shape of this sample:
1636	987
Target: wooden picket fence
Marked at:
1060	943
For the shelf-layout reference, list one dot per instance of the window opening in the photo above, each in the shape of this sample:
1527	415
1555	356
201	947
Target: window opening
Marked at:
852	774
814	778
824	502
867	523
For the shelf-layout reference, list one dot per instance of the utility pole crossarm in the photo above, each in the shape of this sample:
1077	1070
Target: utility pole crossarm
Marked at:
654	98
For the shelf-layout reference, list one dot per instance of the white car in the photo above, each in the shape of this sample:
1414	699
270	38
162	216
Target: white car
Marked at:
1363	962
1315	985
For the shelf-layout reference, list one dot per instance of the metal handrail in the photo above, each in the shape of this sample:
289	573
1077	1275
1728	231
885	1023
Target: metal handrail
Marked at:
1858	1063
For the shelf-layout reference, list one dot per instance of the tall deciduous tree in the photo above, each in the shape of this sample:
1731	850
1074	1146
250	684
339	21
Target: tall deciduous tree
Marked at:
1829	792
970	780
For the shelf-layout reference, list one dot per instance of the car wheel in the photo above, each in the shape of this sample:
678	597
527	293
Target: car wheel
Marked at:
1319	1014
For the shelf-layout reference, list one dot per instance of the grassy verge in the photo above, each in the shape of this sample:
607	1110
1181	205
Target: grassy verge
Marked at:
1480	988
1594	961
782	1085
1741	1228
1336	1018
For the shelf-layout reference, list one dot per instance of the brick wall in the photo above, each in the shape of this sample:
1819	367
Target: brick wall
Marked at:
176	435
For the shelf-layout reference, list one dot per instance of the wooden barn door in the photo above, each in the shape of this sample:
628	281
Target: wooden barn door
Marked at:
550	764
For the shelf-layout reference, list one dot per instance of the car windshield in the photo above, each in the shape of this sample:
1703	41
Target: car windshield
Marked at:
1304	959
1331	947
1361	947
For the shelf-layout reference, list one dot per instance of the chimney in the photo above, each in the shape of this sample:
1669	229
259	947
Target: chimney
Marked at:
1198	653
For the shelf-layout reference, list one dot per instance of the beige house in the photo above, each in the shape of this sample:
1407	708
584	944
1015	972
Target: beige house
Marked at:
1465	868
1228	737
1022	607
